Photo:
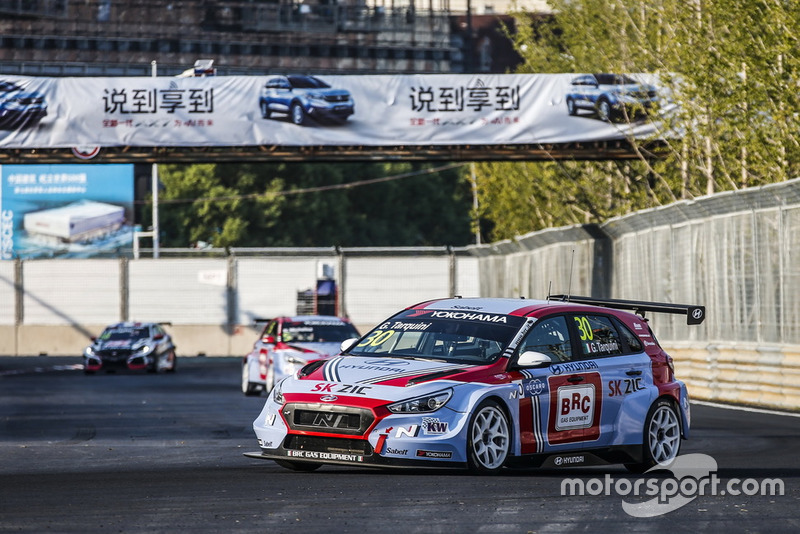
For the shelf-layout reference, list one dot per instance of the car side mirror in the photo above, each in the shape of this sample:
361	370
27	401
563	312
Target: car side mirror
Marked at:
158	336
530	358
348	344
269	340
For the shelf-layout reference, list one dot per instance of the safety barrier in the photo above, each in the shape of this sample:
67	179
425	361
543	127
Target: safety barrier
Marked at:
737	253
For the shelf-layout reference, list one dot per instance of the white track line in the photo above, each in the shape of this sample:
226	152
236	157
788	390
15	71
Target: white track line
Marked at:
745	408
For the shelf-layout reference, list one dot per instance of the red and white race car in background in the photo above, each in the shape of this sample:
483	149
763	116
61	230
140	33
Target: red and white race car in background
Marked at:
288	343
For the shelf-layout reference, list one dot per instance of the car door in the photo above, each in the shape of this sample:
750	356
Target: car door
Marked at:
544	390
561	403
622	374
585	90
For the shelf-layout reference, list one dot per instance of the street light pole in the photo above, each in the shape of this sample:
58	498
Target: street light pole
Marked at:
155	187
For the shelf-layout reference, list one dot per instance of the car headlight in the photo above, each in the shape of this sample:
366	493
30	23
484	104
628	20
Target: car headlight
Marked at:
144	350
89	351
315	96
277	392
424	404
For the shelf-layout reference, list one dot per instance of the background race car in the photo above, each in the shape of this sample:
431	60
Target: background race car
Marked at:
288	343
487	383
131	345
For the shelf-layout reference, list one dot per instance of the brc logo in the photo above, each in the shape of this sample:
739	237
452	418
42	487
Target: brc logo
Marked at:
576	402
575	407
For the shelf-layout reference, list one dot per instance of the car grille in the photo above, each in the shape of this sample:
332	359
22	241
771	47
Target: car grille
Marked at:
114	355
336	98
332	445
329	419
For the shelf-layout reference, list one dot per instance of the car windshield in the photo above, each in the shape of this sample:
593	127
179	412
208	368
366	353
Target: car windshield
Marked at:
307	82
119	334
465	337
614	79
318	332
9	86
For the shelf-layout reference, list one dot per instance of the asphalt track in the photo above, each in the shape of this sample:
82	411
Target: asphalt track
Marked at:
163	453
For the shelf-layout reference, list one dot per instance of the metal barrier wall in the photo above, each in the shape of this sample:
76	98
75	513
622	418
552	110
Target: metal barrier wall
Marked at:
738	253
211	301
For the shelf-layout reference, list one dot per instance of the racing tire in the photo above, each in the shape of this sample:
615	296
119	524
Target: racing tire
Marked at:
661	440
604	110
572	109
297	114
174	360
249	388
488	438
306	467
269	382
153	367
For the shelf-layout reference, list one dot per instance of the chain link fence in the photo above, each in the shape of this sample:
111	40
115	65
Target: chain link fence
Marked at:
737	253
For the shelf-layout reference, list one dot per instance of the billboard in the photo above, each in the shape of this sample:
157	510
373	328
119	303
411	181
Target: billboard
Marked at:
66	211
329	110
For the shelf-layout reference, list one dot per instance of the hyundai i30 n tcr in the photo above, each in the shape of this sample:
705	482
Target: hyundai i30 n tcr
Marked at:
131	345
486	383
288	343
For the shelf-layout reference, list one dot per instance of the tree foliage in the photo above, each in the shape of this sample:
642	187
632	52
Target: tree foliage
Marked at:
312	205
732	70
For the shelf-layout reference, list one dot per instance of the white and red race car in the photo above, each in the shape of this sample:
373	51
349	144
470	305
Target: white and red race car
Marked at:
288	343
486	383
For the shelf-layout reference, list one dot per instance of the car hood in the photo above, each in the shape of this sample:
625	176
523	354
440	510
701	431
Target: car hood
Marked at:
630	88
119	344
21	96
322	349
371	381
329	92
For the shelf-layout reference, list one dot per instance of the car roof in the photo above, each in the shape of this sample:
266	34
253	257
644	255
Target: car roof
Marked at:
507	306
630	309
130	324
306	318
520	307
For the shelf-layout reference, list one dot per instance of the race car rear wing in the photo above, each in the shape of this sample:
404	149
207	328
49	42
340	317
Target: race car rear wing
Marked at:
694	314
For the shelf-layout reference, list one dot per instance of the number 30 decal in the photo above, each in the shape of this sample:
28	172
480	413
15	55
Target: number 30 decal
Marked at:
377	338
585	328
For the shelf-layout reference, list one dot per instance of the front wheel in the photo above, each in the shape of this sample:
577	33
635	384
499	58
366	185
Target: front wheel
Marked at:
489	439
248	388
662	437
571	107
297	113
173	362
298	466
604	110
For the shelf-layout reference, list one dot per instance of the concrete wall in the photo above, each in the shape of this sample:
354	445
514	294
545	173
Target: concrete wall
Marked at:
752	374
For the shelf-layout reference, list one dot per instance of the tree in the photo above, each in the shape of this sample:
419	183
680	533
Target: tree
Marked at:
730	67
313	205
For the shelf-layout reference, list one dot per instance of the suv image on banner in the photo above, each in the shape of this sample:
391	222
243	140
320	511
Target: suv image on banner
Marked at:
19	108
303	98
611	97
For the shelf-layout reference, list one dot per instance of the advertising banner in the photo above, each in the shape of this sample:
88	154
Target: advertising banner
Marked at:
344	110
66	211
